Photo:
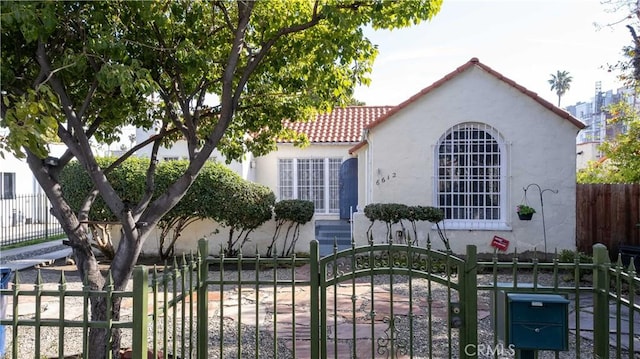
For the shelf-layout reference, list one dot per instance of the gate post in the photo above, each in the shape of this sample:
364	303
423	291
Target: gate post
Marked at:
600	301
315	299
202	326
468	298
140	312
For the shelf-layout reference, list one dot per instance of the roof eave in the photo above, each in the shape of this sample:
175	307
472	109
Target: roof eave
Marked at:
358	147
475	62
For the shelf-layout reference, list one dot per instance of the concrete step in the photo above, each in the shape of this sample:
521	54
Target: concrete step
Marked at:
332	225
322	222
335	225
334	233
327	249
340	241
337	231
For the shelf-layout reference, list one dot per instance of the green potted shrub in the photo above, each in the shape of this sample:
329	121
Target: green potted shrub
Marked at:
525	212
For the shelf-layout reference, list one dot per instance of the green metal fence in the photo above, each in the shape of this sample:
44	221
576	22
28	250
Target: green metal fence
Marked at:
26	217
49	319
600	293
380	300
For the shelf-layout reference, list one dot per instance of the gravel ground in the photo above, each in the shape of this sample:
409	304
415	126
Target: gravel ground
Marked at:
438	348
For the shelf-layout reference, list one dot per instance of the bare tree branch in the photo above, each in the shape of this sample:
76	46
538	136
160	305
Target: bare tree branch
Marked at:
151	170
87	99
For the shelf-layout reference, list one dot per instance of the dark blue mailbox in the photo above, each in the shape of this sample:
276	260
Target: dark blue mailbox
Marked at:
538	321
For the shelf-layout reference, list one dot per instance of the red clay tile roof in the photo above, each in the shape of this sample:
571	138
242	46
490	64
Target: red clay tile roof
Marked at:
473	62
342	125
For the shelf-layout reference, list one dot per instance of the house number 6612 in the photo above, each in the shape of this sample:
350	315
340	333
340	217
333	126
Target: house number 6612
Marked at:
386	178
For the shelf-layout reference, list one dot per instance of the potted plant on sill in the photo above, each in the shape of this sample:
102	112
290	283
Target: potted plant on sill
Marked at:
525	212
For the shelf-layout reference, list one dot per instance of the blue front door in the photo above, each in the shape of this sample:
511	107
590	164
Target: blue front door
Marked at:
348	181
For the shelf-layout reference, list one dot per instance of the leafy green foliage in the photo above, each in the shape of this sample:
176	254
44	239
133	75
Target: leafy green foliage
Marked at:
95	63
569	256
425	213
128	180
393	213
294	212
311	59
153	64
30	122
629	67
524	209
218	194
575	257
386	212
621	162
249	206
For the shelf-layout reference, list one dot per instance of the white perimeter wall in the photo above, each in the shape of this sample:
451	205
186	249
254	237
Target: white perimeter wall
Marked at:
188	241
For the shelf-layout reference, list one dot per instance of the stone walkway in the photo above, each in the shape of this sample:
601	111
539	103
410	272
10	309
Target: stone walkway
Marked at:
343	325
295	308
585	319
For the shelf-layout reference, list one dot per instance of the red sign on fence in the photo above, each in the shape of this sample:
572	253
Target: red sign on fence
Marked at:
500	243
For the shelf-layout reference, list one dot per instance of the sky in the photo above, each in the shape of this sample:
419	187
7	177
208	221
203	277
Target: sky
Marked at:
525	40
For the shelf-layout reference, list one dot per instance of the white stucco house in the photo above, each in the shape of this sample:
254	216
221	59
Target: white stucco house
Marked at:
314	172
587	152
469	144
310	173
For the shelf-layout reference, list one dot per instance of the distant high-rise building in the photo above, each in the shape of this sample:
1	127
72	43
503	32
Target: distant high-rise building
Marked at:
594	114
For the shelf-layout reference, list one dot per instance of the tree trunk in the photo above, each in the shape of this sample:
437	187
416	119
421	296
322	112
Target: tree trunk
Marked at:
100	341
89	271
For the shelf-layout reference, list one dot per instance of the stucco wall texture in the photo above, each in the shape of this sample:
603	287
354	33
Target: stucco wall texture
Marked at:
540	148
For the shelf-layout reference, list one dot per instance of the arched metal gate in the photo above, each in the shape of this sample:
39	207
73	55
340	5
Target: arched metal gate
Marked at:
393	301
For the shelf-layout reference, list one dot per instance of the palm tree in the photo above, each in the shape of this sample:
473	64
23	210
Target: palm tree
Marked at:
561	82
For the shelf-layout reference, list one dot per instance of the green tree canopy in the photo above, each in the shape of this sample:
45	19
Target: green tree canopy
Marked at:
81	70
628	67
621	155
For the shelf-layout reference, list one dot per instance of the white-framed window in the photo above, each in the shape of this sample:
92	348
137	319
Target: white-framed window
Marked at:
7	185
312	179
471	177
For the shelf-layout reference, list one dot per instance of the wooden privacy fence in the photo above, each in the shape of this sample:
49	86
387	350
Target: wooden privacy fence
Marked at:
607	214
